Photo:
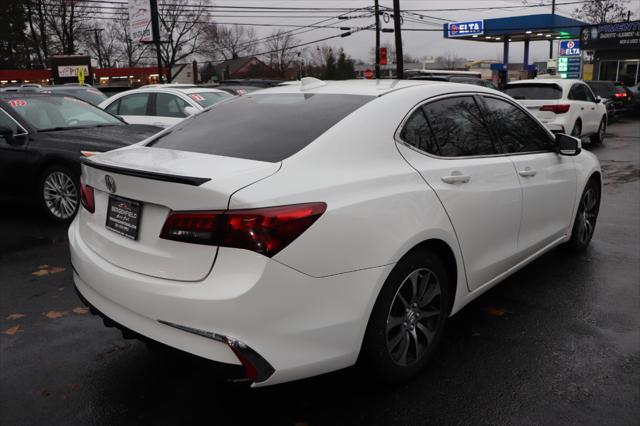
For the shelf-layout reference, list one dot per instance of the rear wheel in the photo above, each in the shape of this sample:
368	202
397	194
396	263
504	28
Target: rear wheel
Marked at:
59	193
598	138
408	318
577	129
585	223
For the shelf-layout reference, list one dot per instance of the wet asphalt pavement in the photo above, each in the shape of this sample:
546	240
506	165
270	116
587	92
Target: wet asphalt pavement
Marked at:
556	343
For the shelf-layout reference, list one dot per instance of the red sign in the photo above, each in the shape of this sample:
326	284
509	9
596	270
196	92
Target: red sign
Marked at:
383	56
17	102
368	73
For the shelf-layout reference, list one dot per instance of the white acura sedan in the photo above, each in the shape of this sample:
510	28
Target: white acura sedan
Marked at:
297	230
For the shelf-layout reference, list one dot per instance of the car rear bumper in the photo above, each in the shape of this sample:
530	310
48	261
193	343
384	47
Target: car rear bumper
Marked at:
285	324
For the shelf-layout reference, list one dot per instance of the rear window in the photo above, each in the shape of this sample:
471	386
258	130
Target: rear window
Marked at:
533	91
269	127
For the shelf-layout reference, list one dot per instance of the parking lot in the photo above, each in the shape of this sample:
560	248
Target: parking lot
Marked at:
556	343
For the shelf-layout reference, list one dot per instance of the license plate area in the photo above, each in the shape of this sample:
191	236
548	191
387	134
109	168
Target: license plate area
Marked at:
123	216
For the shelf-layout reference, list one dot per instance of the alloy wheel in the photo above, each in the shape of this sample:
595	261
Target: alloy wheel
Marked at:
413	317
587	215
60	195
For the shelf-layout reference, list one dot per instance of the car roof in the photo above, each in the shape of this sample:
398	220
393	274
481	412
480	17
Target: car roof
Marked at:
557	81
350	87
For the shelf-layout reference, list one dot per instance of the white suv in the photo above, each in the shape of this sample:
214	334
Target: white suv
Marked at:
564	106
162	105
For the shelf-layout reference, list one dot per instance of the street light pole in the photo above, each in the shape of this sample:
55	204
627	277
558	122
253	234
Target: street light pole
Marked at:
377	12
398	34
155	32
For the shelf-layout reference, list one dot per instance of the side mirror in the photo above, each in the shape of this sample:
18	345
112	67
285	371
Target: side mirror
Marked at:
189	110
567	145
598	99
7	134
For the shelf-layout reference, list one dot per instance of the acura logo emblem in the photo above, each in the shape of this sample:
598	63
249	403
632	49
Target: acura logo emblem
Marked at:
111	183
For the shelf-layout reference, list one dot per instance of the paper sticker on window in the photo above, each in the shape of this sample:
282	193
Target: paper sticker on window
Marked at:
17	103
196	97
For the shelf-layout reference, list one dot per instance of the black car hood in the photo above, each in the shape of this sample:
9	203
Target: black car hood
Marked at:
108	136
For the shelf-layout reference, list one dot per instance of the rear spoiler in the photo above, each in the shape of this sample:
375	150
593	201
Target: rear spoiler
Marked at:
165	177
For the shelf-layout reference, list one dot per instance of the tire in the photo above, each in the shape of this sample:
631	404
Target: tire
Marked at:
59	193
598	138
402	333
584	224
576	132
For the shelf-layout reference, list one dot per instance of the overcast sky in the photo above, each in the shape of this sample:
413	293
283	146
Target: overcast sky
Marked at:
418	44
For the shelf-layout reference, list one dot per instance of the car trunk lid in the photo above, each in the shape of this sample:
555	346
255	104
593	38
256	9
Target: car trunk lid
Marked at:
161	181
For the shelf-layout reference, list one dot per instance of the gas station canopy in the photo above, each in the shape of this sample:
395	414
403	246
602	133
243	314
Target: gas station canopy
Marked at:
515	28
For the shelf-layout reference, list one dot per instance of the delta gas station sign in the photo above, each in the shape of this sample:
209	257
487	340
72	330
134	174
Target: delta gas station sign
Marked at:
462	29
569	59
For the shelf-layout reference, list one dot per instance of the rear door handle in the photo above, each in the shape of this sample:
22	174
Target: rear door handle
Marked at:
456	177
527	172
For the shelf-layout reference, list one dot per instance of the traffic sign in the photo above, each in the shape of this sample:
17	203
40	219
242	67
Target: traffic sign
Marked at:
368	73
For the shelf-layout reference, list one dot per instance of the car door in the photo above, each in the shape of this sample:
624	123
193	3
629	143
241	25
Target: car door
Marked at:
447	141
548	179
168	109
595	109
134	108
579	95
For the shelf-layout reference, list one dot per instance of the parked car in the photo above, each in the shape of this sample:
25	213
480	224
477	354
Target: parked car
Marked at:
326	222
607	92
625	95
42	137
564	106
162	105
81	91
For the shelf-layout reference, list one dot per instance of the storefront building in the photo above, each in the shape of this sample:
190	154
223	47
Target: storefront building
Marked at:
614	50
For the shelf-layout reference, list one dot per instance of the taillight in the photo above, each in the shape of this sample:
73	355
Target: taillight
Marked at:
556	108
620	95
264	230
86	197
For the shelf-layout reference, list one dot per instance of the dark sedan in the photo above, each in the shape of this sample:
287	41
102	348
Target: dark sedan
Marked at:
42	137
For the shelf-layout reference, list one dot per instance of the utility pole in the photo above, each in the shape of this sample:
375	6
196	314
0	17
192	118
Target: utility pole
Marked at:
398	34
553	12
97	38
377	12
155	32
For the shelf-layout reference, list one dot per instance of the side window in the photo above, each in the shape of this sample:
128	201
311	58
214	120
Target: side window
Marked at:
417	132
135	104
588	93
168	105
517	131
113	107
458	127
577	93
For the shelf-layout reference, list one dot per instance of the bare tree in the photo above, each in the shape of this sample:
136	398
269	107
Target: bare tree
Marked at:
66	20
182	27
281	51
37	10
602	11
230	41
101	42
